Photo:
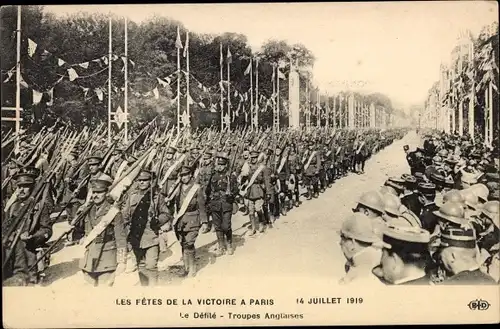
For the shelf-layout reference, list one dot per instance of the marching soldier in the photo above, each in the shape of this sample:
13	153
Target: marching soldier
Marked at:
312	167
221	192
295	170
105	257
143	214
36	230
191	215
256	190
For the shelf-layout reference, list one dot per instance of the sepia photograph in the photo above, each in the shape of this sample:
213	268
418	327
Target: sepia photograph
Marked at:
250	164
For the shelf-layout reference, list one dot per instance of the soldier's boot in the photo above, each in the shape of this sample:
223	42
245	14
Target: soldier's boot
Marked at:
253	224
191	262
315	190
222	244
185	261
284	206
230	249
309	192
152	277
262	222
204	228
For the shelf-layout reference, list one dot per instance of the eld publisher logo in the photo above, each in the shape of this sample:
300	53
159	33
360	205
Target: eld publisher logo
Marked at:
479	305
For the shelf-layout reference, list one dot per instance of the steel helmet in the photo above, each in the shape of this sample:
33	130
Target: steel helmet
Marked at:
437	159
470	198
443	153
491	209
392	204
453	212
373	200
481	191
359	227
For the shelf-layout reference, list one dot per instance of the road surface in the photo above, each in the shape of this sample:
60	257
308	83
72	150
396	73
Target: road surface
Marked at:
302	246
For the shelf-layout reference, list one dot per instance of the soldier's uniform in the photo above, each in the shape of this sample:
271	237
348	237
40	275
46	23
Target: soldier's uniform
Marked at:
258	190
171	180
108	250
312	167
144	213
295	167
221	191
36	231
191	215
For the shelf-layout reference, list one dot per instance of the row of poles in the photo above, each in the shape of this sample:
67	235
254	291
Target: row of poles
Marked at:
356	116
444	115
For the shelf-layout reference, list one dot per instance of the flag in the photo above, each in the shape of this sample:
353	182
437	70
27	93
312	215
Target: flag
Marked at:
161	82
132	62
186	47
249	68
60	62
281	75
9	75
72	74
178	42
190	100
213	109
23	83
84	65
99	93
37	97
155	92
229	56
200	104
119	116
51	97
85	91
31	47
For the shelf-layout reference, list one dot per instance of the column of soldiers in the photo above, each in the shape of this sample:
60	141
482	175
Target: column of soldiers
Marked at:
438	224
193	185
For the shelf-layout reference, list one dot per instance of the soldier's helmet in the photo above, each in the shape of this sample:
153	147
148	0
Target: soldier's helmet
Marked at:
491	209
392	204
373	200
452	212
470	198
453	196
359	227
481	191
101	184
222	158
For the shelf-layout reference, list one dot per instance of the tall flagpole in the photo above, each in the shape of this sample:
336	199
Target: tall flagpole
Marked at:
318	109
273	98
278	99
251	94
188	114
125	105
109	82
18	79
178	86
229	93
257	93
221	61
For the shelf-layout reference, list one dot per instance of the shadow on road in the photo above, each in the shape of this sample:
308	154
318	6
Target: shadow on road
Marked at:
60	271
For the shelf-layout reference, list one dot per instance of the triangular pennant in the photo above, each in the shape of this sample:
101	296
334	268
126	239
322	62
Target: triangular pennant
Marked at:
213	108
51	97
202	105
60	62
249	68
31	47
124	59
23	83
200	85
190	100
132	62
99	93
168	79
178	42
9	75
84	65
161	82
72	74
186	47
37	97
105	60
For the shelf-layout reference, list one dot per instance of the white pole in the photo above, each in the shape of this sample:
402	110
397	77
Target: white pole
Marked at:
187	81
278	99
221	91
490	113
125	105
178	88
251	94
18	78
230	114
257	93
109	81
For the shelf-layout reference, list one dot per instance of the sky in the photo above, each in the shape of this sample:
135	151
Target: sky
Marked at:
394	48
